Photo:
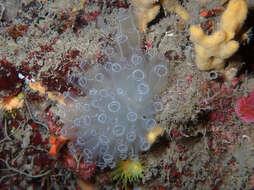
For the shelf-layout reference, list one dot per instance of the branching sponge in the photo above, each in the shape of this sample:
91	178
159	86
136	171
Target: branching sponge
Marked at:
147	10
211	51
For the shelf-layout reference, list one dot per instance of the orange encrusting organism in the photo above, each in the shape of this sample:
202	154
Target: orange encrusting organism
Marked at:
56	144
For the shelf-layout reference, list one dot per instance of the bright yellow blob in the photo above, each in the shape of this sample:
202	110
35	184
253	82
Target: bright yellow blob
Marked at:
128	171
153	134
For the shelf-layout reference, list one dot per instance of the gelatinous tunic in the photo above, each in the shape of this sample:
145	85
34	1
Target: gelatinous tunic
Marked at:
112	121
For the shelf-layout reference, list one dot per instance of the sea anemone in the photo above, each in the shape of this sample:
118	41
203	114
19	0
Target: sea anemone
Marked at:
128	171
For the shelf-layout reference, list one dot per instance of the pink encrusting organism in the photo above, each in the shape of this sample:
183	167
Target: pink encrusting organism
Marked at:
245	108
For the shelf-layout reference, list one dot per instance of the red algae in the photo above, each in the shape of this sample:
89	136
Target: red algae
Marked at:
245	108
83	170
19	31
36	139
9	79
43	161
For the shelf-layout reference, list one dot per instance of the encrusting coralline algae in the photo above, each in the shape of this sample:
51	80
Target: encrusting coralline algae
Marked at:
114	118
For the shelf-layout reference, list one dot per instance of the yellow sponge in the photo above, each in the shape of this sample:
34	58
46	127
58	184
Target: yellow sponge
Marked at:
211	51
145	11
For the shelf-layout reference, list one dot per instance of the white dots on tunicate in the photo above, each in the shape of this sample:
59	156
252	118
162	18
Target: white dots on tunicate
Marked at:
67	96
93	133
112	94
109	51
131	136
120	92
86	107
107	66
136	59
114	121
158	106
97	67
128	66
77	122
99	77
132	116
97	103
150	124
122	148
123	156
86	120
87	154
134	157
116	67
143	88
78	106
144	146
121	38
118	130
160	70
103	148
103	92
92	91
132	127
138	75
81	141
102	118
101	165
114	106
82	81
108	158
112	165
73	127
103	139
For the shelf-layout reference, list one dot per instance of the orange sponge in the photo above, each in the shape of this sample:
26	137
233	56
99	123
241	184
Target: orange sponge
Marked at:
56	144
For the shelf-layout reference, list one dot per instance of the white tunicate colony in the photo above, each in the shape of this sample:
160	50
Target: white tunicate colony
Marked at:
113	119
